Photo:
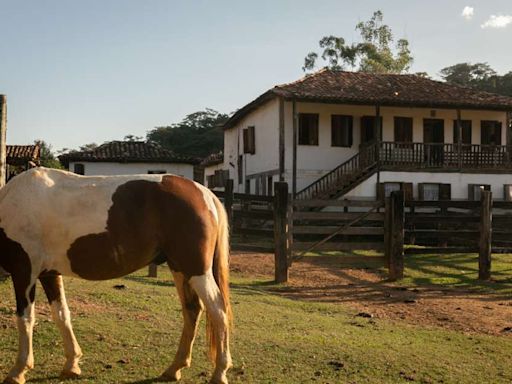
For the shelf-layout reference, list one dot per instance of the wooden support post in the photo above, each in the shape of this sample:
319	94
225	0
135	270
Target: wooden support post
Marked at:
281	140
459	138
387	231
228	200
3	144
295	138
153	270
281	238
484	260
396	261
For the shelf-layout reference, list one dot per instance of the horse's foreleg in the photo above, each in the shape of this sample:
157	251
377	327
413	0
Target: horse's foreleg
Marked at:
191	308
24	290
54	288
209	293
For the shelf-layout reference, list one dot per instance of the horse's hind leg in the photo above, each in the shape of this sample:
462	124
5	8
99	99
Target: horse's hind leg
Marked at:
54	289
24	289
191	308
208	291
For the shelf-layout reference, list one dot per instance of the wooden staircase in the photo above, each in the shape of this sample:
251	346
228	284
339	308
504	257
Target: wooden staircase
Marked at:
344	177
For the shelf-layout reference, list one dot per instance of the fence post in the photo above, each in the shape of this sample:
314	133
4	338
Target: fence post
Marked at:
387	231
228	200
153	270
396	261
484	259
281	238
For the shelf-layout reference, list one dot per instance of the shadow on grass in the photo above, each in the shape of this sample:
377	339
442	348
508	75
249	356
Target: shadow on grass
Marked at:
149	281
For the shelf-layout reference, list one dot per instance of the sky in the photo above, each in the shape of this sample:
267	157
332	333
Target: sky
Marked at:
77	72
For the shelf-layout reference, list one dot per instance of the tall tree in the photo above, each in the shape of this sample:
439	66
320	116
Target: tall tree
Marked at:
373	54
479	76
47	156
198	134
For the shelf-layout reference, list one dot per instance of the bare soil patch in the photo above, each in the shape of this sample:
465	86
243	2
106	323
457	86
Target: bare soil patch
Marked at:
322	279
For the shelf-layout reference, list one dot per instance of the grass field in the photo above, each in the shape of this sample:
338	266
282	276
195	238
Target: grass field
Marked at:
130	336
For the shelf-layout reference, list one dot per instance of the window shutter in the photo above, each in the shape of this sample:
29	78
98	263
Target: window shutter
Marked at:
407	188
445	191
421	193
351	133
251	140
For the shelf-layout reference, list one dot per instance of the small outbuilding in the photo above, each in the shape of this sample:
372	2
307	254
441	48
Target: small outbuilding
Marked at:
128	158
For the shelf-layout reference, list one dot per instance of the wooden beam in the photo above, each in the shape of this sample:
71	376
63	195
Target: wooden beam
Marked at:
3	138
281	139
396	254
484	259
459	138
295	137
281	228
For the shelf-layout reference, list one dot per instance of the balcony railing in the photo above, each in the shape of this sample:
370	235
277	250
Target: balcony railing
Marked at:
447	156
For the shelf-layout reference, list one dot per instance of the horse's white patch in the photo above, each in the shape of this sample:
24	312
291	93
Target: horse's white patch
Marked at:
46	210
208	199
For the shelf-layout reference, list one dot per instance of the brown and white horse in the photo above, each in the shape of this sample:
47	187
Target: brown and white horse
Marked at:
55	223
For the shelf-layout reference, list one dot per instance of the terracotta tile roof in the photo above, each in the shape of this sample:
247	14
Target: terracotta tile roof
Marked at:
361	88
127	152
213	159
21	154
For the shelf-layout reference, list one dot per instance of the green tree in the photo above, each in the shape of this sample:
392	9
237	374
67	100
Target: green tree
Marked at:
47	156
373	54
198	134
479	76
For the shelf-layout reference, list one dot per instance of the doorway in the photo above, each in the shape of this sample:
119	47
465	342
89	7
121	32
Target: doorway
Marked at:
433	140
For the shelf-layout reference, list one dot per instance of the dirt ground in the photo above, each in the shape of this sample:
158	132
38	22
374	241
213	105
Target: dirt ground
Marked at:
321	279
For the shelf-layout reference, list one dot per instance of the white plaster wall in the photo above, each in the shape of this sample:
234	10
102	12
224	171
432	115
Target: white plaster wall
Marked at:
458	181
107	168
266	131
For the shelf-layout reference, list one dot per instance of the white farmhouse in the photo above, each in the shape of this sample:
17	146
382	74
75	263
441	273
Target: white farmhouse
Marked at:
128	158
214	174
361	135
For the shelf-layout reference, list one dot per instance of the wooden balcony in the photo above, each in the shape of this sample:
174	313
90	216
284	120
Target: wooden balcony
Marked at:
467	157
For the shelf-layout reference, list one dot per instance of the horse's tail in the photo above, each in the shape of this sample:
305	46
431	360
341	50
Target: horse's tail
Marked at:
221	274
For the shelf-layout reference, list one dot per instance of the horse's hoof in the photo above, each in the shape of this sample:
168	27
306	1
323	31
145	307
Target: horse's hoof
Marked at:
69	375
170	377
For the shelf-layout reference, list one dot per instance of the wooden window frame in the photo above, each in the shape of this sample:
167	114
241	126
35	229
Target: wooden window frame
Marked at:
249	140
444	191
341	123
79	168
308	134
488	124
406	135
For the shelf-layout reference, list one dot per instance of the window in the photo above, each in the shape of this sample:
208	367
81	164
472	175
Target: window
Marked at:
248	186
384	189
308	129
475	190
434	191
79	169
466	132
507	192
249	140
403	130
269	185
490	132
341	131
157	172
369	129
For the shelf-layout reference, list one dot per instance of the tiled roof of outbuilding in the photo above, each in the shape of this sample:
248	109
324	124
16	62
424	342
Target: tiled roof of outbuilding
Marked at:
20	154
213	159
361	88
128	152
